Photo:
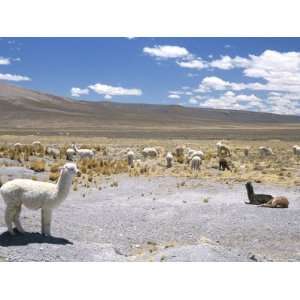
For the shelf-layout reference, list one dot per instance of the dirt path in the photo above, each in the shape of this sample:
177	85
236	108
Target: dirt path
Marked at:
160	219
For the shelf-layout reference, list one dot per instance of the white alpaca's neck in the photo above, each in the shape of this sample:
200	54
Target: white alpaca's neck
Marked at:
63	186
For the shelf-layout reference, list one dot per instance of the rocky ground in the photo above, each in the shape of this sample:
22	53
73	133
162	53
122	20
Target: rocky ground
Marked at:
159	219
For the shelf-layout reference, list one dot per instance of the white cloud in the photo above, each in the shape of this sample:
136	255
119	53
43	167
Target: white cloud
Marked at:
192	75
284	103
227	63
77	92
4	61
104	89
193	101
215	83
192	64
166	51
175	92
174	96
108	97
276	72
14	77
230	100
279	70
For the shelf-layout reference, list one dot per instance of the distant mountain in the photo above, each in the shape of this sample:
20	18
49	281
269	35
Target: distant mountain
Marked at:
30	111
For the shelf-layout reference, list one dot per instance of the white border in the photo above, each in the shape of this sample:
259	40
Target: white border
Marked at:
149	281
154	280
149	18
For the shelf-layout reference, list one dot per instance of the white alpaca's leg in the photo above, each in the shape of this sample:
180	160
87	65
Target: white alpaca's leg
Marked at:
17	219
9	217
46	221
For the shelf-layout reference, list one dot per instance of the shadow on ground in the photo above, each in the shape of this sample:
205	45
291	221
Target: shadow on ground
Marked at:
27	238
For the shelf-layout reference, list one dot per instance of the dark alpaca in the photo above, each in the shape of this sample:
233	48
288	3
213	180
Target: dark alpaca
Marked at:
256	199
223	165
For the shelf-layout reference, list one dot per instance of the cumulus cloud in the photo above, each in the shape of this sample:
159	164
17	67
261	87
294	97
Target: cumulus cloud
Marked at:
193	101
104	89
166	51
77	92
4	61
174	96
281	103
227	63
108	97
230	100
279	70
14	77
275	72
215	83
197	64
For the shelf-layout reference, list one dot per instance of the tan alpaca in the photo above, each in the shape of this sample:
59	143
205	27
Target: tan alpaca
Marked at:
277	202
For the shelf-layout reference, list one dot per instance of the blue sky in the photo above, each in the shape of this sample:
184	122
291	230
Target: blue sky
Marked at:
260	74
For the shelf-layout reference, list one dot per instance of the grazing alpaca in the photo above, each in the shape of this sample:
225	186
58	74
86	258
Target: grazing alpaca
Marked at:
296	150
223	165
37	146
83	153
70	152
179	151
223	150
36	195
169	159
256	199
150	152
265	151
130	158
195	163
277	202
54	152
18	147
246	151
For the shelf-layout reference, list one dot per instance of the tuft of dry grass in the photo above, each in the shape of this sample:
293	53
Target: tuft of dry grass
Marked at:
53	176
38	165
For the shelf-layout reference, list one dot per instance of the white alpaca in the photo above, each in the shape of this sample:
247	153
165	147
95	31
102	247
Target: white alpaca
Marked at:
192	153
169	158
150	152
296	150
18	147
84	153
70	153
198	153
130	158
222	149
265	151
37	146
54	152
195	163
36	195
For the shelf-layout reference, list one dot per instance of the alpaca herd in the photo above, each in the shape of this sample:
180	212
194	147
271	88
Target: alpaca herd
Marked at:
47	196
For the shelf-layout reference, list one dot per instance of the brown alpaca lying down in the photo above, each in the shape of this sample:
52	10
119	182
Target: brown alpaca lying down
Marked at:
277	202
264	200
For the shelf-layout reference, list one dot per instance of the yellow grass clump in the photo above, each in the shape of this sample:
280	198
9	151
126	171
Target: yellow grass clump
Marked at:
38	165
